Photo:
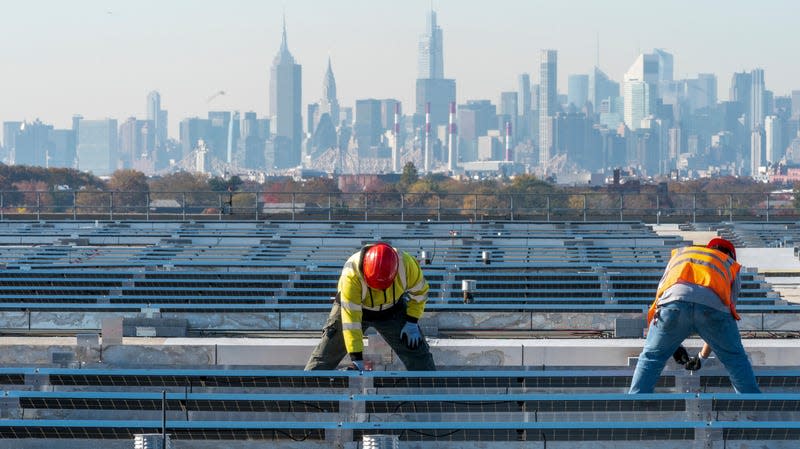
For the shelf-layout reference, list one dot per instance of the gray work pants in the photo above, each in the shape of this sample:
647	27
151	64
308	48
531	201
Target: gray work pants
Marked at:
331	350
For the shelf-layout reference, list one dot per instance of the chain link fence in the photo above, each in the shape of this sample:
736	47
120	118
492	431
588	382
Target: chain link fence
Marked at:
595	206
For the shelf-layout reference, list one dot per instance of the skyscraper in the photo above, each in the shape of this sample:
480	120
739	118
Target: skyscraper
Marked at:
367	127
741	92
136	142
431	59
10	132
702	92
508	110
253	133
578	90
97	146
757	144
285	106
548	104
773	150
158	117
192	130
63	154
433	90
757	93
33	144
329	103
524	96
601	87
665	65
640	89
475	119
223	134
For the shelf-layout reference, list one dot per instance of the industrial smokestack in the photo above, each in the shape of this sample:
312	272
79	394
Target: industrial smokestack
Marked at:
508	142
427	151
452	138
396	150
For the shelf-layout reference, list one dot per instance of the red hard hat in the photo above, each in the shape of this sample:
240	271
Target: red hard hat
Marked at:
380	266
722	244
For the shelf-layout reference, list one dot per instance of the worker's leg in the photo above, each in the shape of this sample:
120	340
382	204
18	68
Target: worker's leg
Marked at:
418	359
720	331
330	350
671	325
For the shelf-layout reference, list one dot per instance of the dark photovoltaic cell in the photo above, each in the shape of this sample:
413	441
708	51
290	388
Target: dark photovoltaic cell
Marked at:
204	380
453	432
303	405
568	381
518	404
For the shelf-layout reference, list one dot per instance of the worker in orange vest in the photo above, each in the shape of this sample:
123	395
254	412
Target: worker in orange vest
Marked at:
696	294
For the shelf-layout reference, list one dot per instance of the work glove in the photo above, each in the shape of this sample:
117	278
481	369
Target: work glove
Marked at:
695	363
681	356
411	335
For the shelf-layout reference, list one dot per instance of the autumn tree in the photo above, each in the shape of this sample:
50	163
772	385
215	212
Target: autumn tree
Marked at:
130	189
191	186
219	184
530	195
408	177
92	200
34	195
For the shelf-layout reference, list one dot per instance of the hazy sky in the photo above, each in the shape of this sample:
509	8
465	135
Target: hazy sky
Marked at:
100	58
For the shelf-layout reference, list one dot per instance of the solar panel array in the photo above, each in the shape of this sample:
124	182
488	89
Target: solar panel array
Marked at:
247	268
443	407
760	234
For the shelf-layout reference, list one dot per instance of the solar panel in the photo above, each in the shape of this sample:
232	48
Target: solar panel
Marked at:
386	380
185	378
765	380
188	402
198	430
520	403
527	431
526	380
766	432
768	402
12	378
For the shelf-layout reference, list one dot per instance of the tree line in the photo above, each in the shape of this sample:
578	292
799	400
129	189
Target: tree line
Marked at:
55	188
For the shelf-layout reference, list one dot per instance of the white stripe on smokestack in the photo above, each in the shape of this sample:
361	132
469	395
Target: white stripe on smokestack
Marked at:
396	153
427	151
508	141
451	144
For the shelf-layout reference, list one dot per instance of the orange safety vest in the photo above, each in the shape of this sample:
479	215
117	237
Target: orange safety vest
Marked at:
700	266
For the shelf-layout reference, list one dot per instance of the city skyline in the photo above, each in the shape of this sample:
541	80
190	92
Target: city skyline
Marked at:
99	59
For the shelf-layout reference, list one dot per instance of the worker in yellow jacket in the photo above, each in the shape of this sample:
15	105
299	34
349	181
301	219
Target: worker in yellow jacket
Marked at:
380	287
696	294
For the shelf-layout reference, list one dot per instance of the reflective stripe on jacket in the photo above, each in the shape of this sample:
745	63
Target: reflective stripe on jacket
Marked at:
356	296
700	266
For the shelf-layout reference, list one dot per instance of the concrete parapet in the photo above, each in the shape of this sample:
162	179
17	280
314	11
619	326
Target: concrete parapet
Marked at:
154	327
483	353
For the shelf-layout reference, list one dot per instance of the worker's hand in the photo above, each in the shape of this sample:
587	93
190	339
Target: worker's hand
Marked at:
411	335
694	363
357	365
681	355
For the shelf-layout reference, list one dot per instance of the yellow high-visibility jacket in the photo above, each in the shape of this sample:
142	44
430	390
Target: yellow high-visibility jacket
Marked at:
700	266
356	296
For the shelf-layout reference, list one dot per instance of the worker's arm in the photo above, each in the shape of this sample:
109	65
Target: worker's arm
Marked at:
350	298
417	288
705	351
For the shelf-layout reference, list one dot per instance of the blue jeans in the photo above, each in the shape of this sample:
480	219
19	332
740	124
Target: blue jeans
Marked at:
677	320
